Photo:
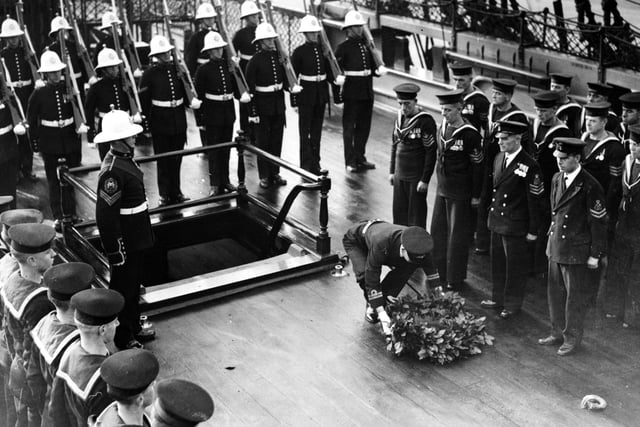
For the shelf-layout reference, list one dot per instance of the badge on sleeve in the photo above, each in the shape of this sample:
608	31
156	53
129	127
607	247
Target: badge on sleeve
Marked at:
537	186
598	210
110	191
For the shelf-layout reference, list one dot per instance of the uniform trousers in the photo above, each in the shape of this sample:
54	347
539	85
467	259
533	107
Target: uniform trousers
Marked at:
569	290
310	119
540	263
450	232
25	156
509	258
392	283
218	159
622	290
409	206
169	169
126	280
56	198
483	235
8	174
356	125
269	138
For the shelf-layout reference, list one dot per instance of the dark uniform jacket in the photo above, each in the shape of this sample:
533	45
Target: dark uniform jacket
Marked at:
121	188
78	390
243	44
413	147
110	418
50	339
516	199
308	61
543	149
20	72
100	97
578	220
161	84
476	109
570	114
460	162
192	54
354	56
8	141
381	240
605	163
265	70
629	212
214	80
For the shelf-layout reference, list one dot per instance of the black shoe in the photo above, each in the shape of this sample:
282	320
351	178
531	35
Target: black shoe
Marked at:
229	187
215	191
265	183
506	314
163	201
133	344
550	340
366	165
181	198
353	168
146	334
278	180
567	349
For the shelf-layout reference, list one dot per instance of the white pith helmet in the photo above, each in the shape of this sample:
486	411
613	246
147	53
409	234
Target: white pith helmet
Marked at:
213	40
107	58
50	62
248	8
109	18
10	28
59	23
117	124
309	24
206	10
264	30
353	18
159	44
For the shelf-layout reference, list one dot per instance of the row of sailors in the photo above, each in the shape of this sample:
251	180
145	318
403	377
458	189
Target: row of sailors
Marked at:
59	363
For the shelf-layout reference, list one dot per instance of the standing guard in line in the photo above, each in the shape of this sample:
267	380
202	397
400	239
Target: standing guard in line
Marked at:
545	128
217	88
105	36
356	60
413	158
476	104
122	216
516	195
130	376
25	303
180	403
53	134
14	56
577	240
60	24
630	116
372	244
162	96
105	94
243	44
78	391
313	72
623	290
568	112
56	331
194	54
459	169
597	93
266	79
501	109
10	153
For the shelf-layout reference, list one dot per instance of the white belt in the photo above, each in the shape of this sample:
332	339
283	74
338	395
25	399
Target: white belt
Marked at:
57	123
245	57
316	78
77	75
2	106
369	224
271	88
19	83
167	104
223	97
202	60
132	211
363	73
6	129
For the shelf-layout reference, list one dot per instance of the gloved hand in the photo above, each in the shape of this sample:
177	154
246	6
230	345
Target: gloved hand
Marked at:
254	119
385	321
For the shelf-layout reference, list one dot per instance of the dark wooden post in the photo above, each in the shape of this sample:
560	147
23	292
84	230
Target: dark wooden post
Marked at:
241	140
454	19
324	242
66	197
601	59
523	26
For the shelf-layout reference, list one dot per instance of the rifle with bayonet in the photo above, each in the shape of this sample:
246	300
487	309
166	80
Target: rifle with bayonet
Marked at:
126	76
83	53
325	46
183	72
292	80
29	51
11	100
71	89
128	43
232	56
368	38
